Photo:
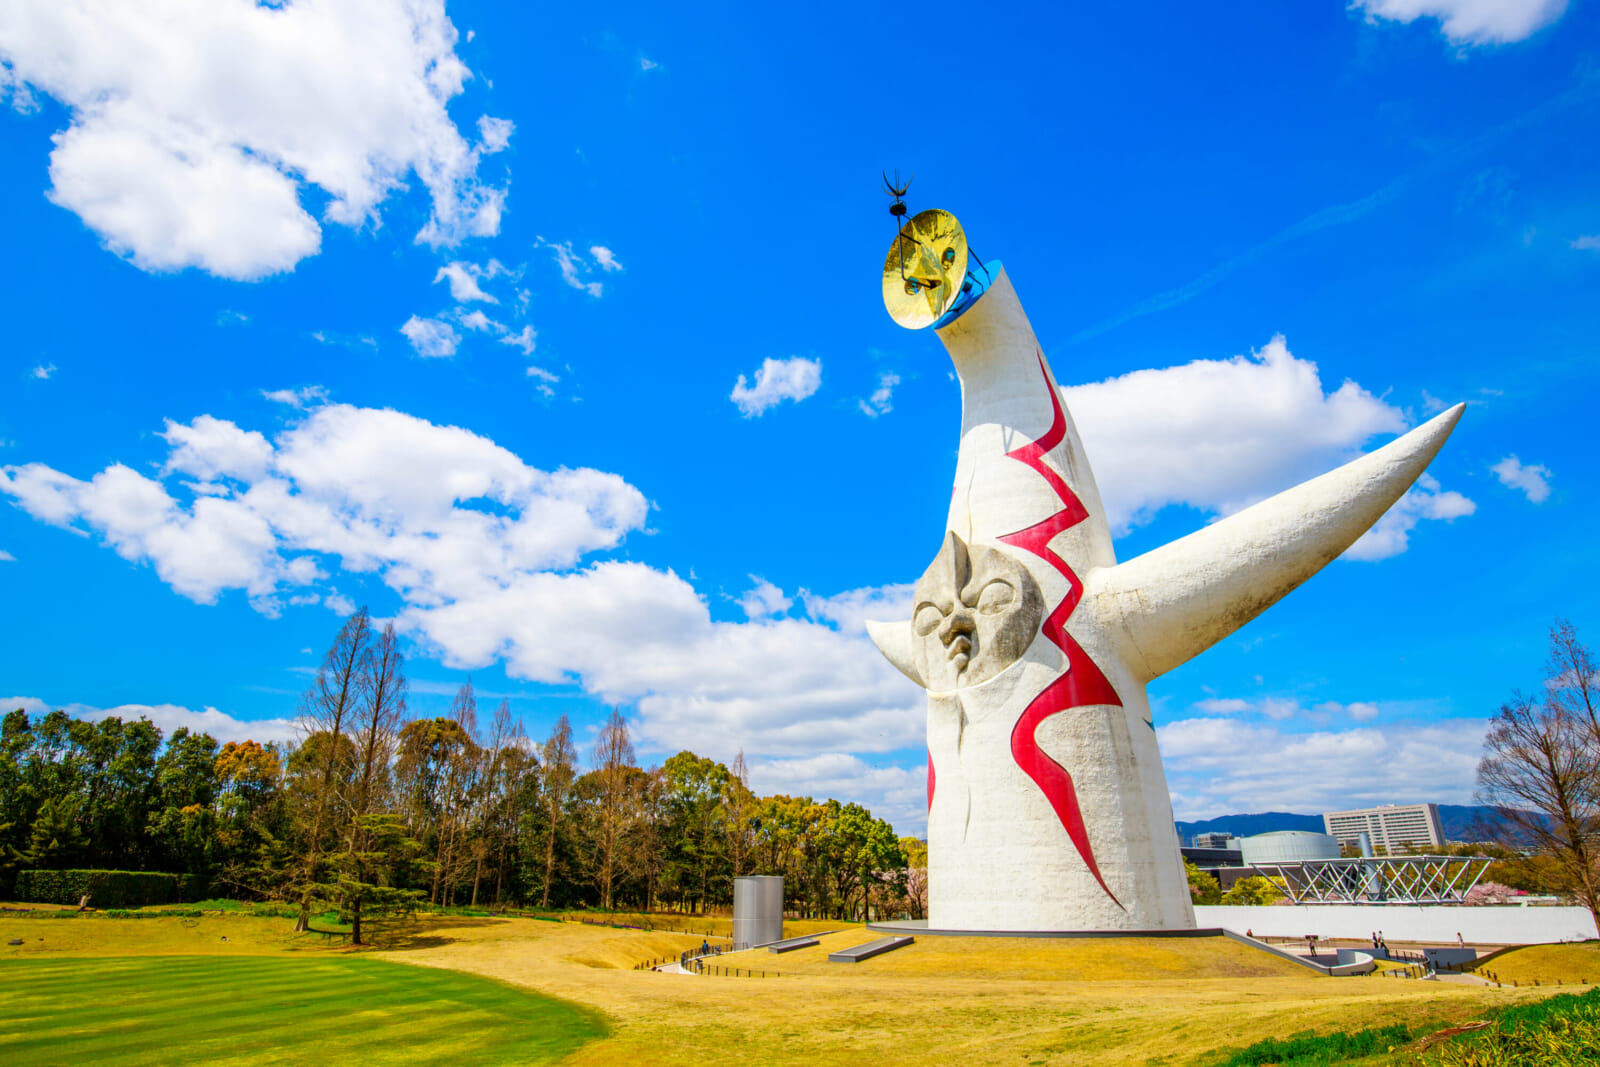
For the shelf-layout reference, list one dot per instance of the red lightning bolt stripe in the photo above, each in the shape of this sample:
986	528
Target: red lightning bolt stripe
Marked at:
1083	684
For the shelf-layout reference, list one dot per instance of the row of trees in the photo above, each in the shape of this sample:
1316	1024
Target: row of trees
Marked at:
374	811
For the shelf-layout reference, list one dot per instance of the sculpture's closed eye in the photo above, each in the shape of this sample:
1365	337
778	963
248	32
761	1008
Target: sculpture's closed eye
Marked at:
928	618
995	597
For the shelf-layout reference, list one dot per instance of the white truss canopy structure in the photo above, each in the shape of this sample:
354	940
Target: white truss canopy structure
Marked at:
1378	879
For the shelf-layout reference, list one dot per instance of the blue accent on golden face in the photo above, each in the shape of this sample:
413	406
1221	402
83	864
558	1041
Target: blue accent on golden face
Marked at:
976	284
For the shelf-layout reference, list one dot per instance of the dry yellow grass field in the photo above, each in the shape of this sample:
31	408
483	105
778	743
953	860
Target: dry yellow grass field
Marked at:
1112	1001
1549	963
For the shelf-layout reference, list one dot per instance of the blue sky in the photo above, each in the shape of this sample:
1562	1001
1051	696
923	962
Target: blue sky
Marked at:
555	336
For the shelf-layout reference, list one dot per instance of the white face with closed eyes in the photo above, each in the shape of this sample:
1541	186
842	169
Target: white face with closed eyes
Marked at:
977	611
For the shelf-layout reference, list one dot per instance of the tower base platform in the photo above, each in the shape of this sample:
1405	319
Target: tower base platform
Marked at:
920	928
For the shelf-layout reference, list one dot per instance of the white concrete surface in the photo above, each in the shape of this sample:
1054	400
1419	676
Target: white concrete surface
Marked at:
1103	853
1477	925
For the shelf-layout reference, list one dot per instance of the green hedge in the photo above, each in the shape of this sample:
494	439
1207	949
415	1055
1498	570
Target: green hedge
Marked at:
106	889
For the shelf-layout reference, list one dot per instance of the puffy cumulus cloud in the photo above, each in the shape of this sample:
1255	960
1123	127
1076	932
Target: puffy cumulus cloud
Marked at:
776	381
486	556
1467	22
1531	480
210	448
634	634
898	794
1587	243
1391	534
168	717
375	489
432	338
605	258
43	371
1220	435
1220	766
6	557
195	126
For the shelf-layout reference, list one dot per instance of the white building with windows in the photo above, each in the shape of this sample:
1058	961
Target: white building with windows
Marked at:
1393	827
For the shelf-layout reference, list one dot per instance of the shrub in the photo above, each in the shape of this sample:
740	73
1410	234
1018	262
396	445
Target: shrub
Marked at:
1308	1049
105	889
1563	1031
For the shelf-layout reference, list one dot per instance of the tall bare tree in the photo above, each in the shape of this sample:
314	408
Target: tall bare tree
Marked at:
326	711
484	825
1541	767
559	769
739	806
372	831
615	803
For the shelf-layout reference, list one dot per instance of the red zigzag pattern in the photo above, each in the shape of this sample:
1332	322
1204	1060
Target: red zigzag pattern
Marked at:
1083	684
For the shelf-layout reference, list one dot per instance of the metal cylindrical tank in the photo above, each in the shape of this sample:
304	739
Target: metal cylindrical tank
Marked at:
757	910
1288	846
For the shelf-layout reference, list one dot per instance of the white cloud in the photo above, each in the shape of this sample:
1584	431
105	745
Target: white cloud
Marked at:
494	134
463	279
648	64
1390	536
764	599
486	556
477	320
43	371
1220	435
850	610
898	794
1471	21
777	380
1226	766
1533	480
325	337
168	717
574	266
6	557
194	127
880	402
1588	244
524	340
606	259
210	448
375	490
1282	708
431	337
13	87
308	396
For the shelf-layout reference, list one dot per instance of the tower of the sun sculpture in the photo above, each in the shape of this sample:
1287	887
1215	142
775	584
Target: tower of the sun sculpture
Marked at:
1047	805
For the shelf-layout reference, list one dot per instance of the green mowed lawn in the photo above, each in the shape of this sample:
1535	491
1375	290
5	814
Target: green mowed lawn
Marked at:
263	1010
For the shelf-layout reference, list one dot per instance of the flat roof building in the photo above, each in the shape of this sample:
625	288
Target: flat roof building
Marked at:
1393	827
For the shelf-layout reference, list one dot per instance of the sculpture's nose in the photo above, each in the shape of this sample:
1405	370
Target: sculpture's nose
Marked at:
957	624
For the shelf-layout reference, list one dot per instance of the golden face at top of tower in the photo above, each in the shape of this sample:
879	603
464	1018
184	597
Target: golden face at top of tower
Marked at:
925	268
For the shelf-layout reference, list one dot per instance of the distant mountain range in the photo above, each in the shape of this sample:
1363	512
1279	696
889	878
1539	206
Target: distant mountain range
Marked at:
1460	823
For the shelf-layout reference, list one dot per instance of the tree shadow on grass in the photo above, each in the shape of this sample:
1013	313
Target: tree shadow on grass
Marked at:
427	933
